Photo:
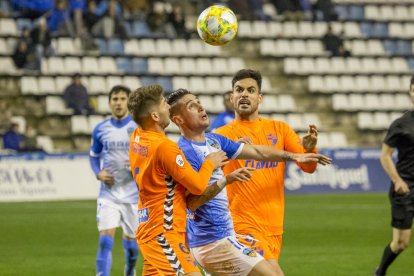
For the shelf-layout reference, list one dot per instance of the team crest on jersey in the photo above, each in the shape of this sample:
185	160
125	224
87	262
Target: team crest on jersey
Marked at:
130	130
249	252
214	144
143	215
179	160
136	140
272	137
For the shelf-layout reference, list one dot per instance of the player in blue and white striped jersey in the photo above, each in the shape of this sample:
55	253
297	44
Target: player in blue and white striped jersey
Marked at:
118	195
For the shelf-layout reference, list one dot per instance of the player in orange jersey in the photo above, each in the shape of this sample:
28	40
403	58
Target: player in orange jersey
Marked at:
257	207
163	175
210	230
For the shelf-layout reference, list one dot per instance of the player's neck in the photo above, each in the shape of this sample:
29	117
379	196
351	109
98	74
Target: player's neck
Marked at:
120	118
247	117
154	128
195	136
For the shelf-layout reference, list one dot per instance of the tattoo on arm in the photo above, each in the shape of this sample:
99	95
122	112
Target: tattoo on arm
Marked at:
195	201
287	156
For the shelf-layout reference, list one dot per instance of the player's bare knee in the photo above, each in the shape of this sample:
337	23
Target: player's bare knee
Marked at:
110	232
403	244
263	268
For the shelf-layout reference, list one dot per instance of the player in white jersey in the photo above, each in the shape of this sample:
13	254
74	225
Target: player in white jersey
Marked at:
210	231
118	196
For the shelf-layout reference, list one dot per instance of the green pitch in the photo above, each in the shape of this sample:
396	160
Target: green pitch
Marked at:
324	235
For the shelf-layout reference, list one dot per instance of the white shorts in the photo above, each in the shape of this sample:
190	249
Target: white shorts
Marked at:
111	215
226	257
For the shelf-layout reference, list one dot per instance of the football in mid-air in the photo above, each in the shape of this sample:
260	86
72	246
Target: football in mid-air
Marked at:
217	25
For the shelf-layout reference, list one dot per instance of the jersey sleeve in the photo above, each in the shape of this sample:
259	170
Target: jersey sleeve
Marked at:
393	134
293	144
174	163
96	144
231	148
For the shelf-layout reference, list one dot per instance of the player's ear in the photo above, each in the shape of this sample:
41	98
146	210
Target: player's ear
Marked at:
155	116
231	98
260	97
177	120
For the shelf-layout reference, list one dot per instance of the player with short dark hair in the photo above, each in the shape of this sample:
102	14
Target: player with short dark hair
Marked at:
210	231
163	175
261	224
118	196
400	136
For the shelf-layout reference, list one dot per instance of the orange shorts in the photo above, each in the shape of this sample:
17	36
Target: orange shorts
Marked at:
267	246
167	254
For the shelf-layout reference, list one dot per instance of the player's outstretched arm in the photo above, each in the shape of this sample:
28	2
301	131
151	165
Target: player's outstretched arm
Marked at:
195	201
267	153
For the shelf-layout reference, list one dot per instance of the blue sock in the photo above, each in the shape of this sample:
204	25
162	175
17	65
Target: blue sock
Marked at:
104	255
131	256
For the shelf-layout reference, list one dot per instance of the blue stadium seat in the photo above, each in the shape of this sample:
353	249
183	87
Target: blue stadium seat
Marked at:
366	29
403	47
380	30
140	29
148	80
165	82
128	27
356	12
139	65
342	12
124	65
115	46
389	46
411	64
24	22
102	45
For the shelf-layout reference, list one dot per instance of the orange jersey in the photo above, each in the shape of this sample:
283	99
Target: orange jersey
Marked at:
258	204
163	175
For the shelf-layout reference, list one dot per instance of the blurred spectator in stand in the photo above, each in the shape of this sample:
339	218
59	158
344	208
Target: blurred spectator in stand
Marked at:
135	9
25	35
58	21
30	141
76	97
112	23
256	8
291	9
41	39
12	138
327	9
5	115
177	20
90	18
306	7
241	8
78	7
157	21
24	57
334	43
248	10
343	52
32	8
225	117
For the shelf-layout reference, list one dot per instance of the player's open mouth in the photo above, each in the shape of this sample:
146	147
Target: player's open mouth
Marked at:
204	117
244	102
